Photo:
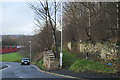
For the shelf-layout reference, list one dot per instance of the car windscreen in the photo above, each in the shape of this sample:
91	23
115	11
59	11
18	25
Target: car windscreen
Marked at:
25	59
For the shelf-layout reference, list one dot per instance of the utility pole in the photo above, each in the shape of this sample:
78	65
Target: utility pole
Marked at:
30	51
61	54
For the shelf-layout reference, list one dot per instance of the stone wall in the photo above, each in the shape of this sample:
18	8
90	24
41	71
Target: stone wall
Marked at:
49	60
69	46
106	50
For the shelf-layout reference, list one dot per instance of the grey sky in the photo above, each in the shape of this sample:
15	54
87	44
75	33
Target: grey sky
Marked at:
17	18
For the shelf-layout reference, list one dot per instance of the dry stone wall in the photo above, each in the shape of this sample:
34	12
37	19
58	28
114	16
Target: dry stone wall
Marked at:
49	60
106	50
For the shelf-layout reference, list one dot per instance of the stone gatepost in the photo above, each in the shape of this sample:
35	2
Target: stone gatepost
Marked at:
49	60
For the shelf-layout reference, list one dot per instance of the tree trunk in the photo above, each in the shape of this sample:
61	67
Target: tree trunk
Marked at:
54	33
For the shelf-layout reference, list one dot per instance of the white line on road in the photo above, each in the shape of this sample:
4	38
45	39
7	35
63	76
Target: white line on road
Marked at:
20	77
5	68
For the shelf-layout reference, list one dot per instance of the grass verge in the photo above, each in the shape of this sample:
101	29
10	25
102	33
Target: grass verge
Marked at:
82	65
77	64
11	57
40	64
68	58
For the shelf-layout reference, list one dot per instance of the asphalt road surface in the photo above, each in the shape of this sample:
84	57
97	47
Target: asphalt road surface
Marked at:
16	71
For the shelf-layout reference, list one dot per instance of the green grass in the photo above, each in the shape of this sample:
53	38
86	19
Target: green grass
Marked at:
82	65
77	64
12	57
40	64
68	58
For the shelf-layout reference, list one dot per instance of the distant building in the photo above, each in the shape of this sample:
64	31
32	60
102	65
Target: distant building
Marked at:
9	49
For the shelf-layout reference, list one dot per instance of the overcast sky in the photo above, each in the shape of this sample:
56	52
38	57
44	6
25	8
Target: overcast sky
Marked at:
17	18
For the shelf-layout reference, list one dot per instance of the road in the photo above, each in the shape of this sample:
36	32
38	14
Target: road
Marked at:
16	70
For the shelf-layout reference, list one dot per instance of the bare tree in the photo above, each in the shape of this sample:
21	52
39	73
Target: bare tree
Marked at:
86	21
91	21
47	14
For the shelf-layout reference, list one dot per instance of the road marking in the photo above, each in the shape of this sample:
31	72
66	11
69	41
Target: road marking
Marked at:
62	75
20	77
38	69
67	76
5	68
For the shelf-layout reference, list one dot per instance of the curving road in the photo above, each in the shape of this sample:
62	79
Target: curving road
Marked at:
16	70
